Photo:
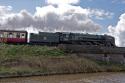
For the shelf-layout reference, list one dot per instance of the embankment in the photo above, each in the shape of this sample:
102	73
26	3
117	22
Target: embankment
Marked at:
27	60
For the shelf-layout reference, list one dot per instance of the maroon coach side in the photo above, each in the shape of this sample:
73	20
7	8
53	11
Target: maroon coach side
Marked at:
11	36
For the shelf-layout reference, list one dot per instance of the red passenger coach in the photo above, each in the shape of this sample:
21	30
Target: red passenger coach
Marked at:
7	36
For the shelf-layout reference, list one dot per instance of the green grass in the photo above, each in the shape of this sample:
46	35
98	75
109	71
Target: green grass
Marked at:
13	51
32	59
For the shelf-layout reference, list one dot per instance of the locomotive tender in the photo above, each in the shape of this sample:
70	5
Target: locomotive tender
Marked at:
49	38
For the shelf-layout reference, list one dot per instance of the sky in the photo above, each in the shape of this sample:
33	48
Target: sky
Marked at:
88	16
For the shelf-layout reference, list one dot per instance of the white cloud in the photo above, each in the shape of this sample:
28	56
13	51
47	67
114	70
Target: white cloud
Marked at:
5	10
118	31
118	1
63	17
62	1
101	14
61	9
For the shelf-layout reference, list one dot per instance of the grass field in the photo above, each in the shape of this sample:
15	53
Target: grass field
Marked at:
28	59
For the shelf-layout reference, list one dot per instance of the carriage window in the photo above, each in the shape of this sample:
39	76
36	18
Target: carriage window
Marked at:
18	35
10	35
1	35
14	34
5	34
23	35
